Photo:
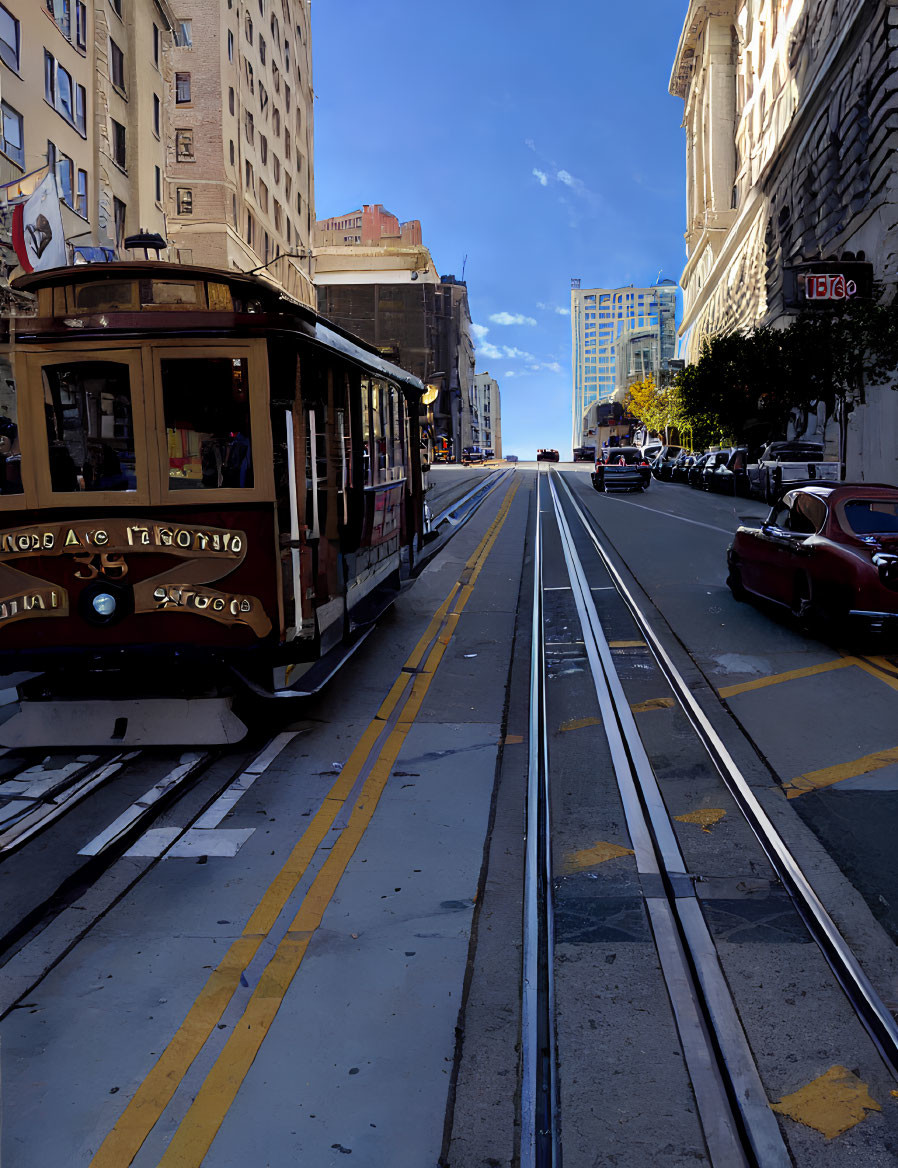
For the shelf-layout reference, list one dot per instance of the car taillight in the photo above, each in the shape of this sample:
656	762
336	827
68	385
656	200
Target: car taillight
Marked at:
643	463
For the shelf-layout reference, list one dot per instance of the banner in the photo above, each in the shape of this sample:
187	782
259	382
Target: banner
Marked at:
37	229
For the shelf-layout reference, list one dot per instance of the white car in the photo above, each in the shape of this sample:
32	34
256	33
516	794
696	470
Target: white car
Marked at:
785	462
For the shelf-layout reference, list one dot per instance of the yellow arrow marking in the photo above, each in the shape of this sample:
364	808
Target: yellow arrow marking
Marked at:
653	704
830	1104
705	818
597	854
579	723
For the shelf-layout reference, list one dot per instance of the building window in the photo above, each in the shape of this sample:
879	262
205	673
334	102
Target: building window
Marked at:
80	109
249	127
185	201
13	134
58	87
287	97
157	115
287	144
182	89
116	65
118	143
276	122
248	28
9	39
184	146
276	167
263	148
231	151
262	49
277	216
156	45
81	25
81	199
117	5
158	185
65	177
276	77
118	215
231	105
287	55
263	196
250	228
61	13
248	176
250	79
230	46
184	34
263	100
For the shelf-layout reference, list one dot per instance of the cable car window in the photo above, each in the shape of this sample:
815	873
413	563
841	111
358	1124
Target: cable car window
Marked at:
377	442
398	467
10	454
207	423
90	430
366	434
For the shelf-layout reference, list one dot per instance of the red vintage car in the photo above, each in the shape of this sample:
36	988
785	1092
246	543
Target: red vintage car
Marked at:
828	553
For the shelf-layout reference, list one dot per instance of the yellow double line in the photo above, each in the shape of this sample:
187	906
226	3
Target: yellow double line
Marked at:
201	1123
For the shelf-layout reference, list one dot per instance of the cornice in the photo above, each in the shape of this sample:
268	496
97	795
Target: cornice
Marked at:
697	15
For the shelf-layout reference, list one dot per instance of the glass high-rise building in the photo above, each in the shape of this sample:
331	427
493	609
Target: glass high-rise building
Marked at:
618	335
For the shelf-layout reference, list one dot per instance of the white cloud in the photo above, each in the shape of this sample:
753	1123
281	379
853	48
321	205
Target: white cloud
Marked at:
479	331
553	366
564	177
511	352
510	318
542	176
554	308
490	351
530	144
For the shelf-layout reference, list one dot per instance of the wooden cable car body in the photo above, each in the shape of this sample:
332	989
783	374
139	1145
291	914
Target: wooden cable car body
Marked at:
202	472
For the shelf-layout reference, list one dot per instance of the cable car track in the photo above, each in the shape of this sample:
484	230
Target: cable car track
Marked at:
738	1125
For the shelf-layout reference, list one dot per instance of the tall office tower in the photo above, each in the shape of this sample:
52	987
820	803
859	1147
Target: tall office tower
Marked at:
618	336
240	188
486	414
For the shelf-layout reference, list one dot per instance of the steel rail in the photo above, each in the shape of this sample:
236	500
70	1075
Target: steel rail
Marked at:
538	1105
739	1127
866	1002
485	487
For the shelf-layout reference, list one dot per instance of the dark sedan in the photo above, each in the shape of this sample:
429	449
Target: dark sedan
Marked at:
546	455
728	472
695	472
827	553
622	466
679	472
663	462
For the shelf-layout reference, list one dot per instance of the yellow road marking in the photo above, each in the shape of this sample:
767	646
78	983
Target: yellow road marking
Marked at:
597	854
579	723
830	1104
729	691
513	739
626	644
706	817
652	704
828	776
889	678
154	1094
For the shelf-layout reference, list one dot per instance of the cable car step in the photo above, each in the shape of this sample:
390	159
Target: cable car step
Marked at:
135	722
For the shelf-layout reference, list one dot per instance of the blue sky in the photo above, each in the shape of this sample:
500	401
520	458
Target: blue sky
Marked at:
534	141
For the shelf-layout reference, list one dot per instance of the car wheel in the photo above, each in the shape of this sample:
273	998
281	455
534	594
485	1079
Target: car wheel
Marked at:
822	611
735	585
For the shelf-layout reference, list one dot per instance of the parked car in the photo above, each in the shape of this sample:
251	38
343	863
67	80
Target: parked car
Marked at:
511	458
472	454
651	450
781	463
584	453
679	472
663	462
623	466
694	475
546	455
728	471
828	553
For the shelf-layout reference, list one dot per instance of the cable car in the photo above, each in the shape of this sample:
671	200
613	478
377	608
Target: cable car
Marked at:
201	480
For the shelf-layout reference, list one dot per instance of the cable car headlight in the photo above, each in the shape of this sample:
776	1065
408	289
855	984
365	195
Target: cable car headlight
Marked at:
103	604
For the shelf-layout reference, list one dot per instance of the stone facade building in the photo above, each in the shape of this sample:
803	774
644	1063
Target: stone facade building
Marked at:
84	90
371	226
239	167
790	144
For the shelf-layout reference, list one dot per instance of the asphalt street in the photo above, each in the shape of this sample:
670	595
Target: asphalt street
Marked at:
336	969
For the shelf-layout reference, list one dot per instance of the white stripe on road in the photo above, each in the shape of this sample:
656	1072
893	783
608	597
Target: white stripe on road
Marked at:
671	515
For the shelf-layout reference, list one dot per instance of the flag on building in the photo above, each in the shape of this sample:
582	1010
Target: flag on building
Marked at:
37	228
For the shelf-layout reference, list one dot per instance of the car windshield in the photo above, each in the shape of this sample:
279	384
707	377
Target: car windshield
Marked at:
623	456
872	516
